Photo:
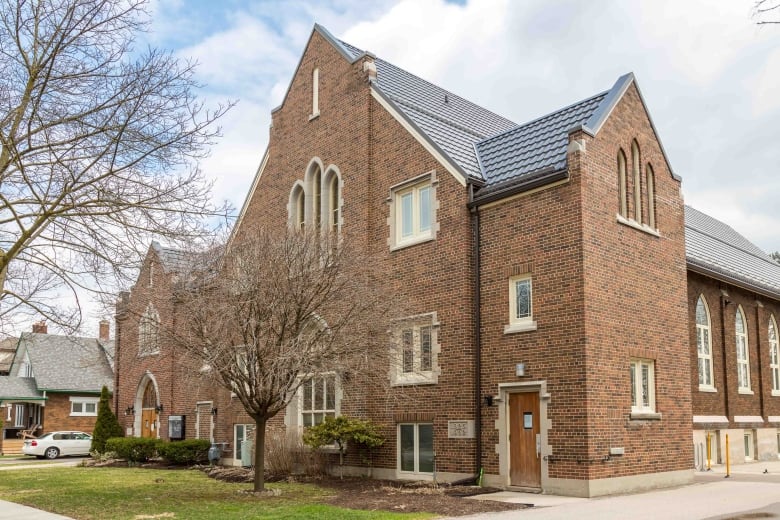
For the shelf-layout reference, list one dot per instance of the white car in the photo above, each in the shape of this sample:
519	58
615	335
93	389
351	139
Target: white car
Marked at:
53	444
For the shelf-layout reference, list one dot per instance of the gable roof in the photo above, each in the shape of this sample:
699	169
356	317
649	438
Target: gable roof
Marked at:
486	147
67	363
715	249
173	260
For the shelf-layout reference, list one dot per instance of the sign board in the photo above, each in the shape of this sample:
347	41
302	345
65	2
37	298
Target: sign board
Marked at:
176	427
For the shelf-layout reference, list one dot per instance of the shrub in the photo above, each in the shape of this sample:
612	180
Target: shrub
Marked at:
285	454
133	449
191	451
106	425
341	430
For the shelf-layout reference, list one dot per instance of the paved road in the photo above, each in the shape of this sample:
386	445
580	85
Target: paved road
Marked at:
747	493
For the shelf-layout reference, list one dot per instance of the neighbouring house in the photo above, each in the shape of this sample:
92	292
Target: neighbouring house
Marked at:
54	383
554	273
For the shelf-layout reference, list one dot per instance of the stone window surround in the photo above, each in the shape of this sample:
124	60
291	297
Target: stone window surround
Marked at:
416	377
519	324
393	218
306	187
701	300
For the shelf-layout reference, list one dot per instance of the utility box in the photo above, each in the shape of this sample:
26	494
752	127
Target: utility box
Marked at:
176	427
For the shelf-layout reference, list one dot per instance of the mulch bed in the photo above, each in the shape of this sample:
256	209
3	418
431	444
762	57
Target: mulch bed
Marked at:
387	495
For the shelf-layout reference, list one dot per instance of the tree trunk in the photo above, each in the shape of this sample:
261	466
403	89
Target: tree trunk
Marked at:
260	454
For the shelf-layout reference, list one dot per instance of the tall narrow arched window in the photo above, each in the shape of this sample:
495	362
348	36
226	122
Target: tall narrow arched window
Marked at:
334	199
636	180
650	189
743	362
149	331
315	93
622	183
297	207
774	356
317	199
704	344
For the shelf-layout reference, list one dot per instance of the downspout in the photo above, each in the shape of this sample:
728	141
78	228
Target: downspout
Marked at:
723	303
476	254
758	353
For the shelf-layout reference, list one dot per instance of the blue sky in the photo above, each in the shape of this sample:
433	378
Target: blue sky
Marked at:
710	76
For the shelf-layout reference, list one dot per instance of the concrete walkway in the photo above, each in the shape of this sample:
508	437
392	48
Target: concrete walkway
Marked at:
750	488
11	511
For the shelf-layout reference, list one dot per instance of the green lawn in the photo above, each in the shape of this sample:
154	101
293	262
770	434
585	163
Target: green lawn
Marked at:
126	493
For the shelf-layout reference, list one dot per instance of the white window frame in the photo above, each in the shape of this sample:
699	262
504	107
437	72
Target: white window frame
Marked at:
749	447
650	189
25	368
704	341
83	402
743	353
19	416
774	355
638	406
523	323
413	188
247	428
416	474
418	326
325	410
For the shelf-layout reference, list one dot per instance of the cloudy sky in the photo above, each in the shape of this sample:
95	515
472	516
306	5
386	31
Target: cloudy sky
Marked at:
710	75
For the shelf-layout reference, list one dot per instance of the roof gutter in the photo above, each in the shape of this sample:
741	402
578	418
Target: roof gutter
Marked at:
718	275
540	178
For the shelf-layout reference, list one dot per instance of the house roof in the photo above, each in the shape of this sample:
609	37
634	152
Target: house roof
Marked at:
67	363
535	146
452	122
716	250
173	260
486	146
7	352
18	388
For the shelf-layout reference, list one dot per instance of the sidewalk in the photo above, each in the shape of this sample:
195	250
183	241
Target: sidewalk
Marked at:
11	511
711	495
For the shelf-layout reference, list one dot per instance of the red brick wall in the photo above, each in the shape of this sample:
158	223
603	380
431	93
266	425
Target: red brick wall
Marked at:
727	401
56	415
635	303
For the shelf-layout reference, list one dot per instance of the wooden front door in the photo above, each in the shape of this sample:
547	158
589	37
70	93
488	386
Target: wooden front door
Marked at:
525	458
149	422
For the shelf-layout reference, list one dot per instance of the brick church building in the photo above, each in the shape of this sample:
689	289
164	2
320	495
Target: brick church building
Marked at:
576	330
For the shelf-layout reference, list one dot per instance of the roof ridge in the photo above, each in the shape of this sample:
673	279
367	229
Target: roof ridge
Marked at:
434	115
541	118
764	258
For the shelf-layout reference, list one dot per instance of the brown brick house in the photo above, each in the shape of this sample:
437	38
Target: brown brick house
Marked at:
54	382
549	345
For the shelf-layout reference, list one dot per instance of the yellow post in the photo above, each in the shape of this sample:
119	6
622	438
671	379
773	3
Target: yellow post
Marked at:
709	451
728	457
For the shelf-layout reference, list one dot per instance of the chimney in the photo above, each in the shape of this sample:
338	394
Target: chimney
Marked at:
40	327
103	334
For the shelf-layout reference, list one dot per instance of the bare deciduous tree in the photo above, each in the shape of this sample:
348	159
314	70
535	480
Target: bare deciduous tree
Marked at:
282	309
766	12
98	148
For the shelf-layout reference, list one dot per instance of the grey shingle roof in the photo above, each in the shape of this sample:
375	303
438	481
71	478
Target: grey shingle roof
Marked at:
452	122
67	363
542	143
18	388
173	260
714	248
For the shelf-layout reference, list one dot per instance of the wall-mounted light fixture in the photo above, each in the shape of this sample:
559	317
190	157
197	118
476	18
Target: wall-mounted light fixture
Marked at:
490	400
520	369
213	411
158	408
130	410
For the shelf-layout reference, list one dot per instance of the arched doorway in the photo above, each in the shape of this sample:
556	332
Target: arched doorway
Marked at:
149	411
147	420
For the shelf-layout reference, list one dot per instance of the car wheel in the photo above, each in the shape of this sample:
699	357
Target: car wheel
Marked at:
51	453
